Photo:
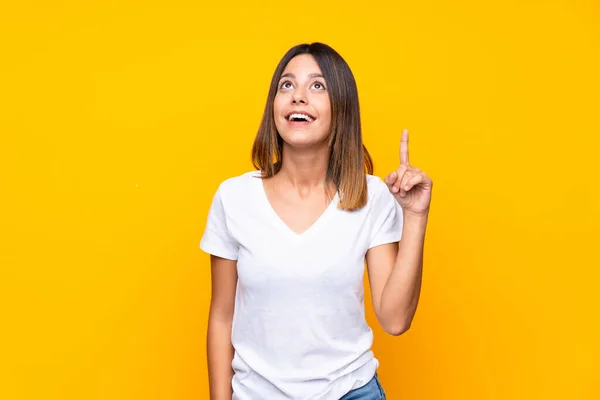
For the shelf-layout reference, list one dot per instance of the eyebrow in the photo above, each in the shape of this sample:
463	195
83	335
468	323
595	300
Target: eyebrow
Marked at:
312	75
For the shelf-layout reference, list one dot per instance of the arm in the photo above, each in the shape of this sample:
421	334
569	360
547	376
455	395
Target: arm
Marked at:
219	349
395	274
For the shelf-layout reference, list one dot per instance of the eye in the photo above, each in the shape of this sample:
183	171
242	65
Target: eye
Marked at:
282	85
320	85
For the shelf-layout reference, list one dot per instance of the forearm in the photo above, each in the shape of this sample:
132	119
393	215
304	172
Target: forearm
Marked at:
401	293
219	354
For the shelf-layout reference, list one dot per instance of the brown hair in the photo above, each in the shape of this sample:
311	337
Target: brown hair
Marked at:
349	159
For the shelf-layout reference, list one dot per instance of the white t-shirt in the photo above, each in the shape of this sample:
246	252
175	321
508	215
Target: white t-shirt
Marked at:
299	328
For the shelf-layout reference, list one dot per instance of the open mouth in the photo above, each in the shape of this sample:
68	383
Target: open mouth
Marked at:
300	117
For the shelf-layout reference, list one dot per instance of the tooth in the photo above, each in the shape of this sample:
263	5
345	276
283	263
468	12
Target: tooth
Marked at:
303	116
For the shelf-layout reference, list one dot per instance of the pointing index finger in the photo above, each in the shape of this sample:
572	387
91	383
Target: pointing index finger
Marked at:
404	148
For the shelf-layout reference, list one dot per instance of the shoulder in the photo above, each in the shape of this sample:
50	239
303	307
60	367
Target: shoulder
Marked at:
238	191
379	195
376	187
239	184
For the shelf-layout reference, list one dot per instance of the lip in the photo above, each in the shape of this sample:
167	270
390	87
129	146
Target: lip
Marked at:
287	116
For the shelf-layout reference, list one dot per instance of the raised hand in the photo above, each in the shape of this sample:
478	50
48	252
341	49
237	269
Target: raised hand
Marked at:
410	186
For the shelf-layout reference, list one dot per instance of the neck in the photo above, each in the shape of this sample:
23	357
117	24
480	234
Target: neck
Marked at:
304	169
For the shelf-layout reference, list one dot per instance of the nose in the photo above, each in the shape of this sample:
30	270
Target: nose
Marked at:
298	97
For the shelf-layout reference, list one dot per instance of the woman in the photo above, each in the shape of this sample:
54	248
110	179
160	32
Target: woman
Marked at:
288	244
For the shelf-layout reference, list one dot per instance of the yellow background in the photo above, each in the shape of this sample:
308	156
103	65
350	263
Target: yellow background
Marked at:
119	119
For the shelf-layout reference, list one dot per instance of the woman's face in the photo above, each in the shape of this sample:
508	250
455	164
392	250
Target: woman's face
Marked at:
302	110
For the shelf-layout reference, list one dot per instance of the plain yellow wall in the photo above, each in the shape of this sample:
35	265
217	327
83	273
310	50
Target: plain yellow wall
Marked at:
119	119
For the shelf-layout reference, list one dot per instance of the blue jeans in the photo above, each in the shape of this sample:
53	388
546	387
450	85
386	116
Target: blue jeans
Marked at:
371	391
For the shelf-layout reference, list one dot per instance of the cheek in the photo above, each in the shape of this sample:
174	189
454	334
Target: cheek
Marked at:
326	114
277	110
276	104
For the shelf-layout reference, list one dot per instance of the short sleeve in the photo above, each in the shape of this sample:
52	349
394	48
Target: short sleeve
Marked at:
216	239
387	218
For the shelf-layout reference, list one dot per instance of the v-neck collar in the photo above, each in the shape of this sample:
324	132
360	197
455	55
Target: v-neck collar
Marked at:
280	223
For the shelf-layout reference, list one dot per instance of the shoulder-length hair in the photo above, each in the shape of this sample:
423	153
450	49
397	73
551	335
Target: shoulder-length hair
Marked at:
349	159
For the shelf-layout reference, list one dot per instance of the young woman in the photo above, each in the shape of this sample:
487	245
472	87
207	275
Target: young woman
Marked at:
288	243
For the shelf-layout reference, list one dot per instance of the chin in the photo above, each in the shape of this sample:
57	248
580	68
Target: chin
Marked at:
303	140
297	140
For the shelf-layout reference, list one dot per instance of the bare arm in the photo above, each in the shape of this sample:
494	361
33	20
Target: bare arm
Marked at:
395	275
219	349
